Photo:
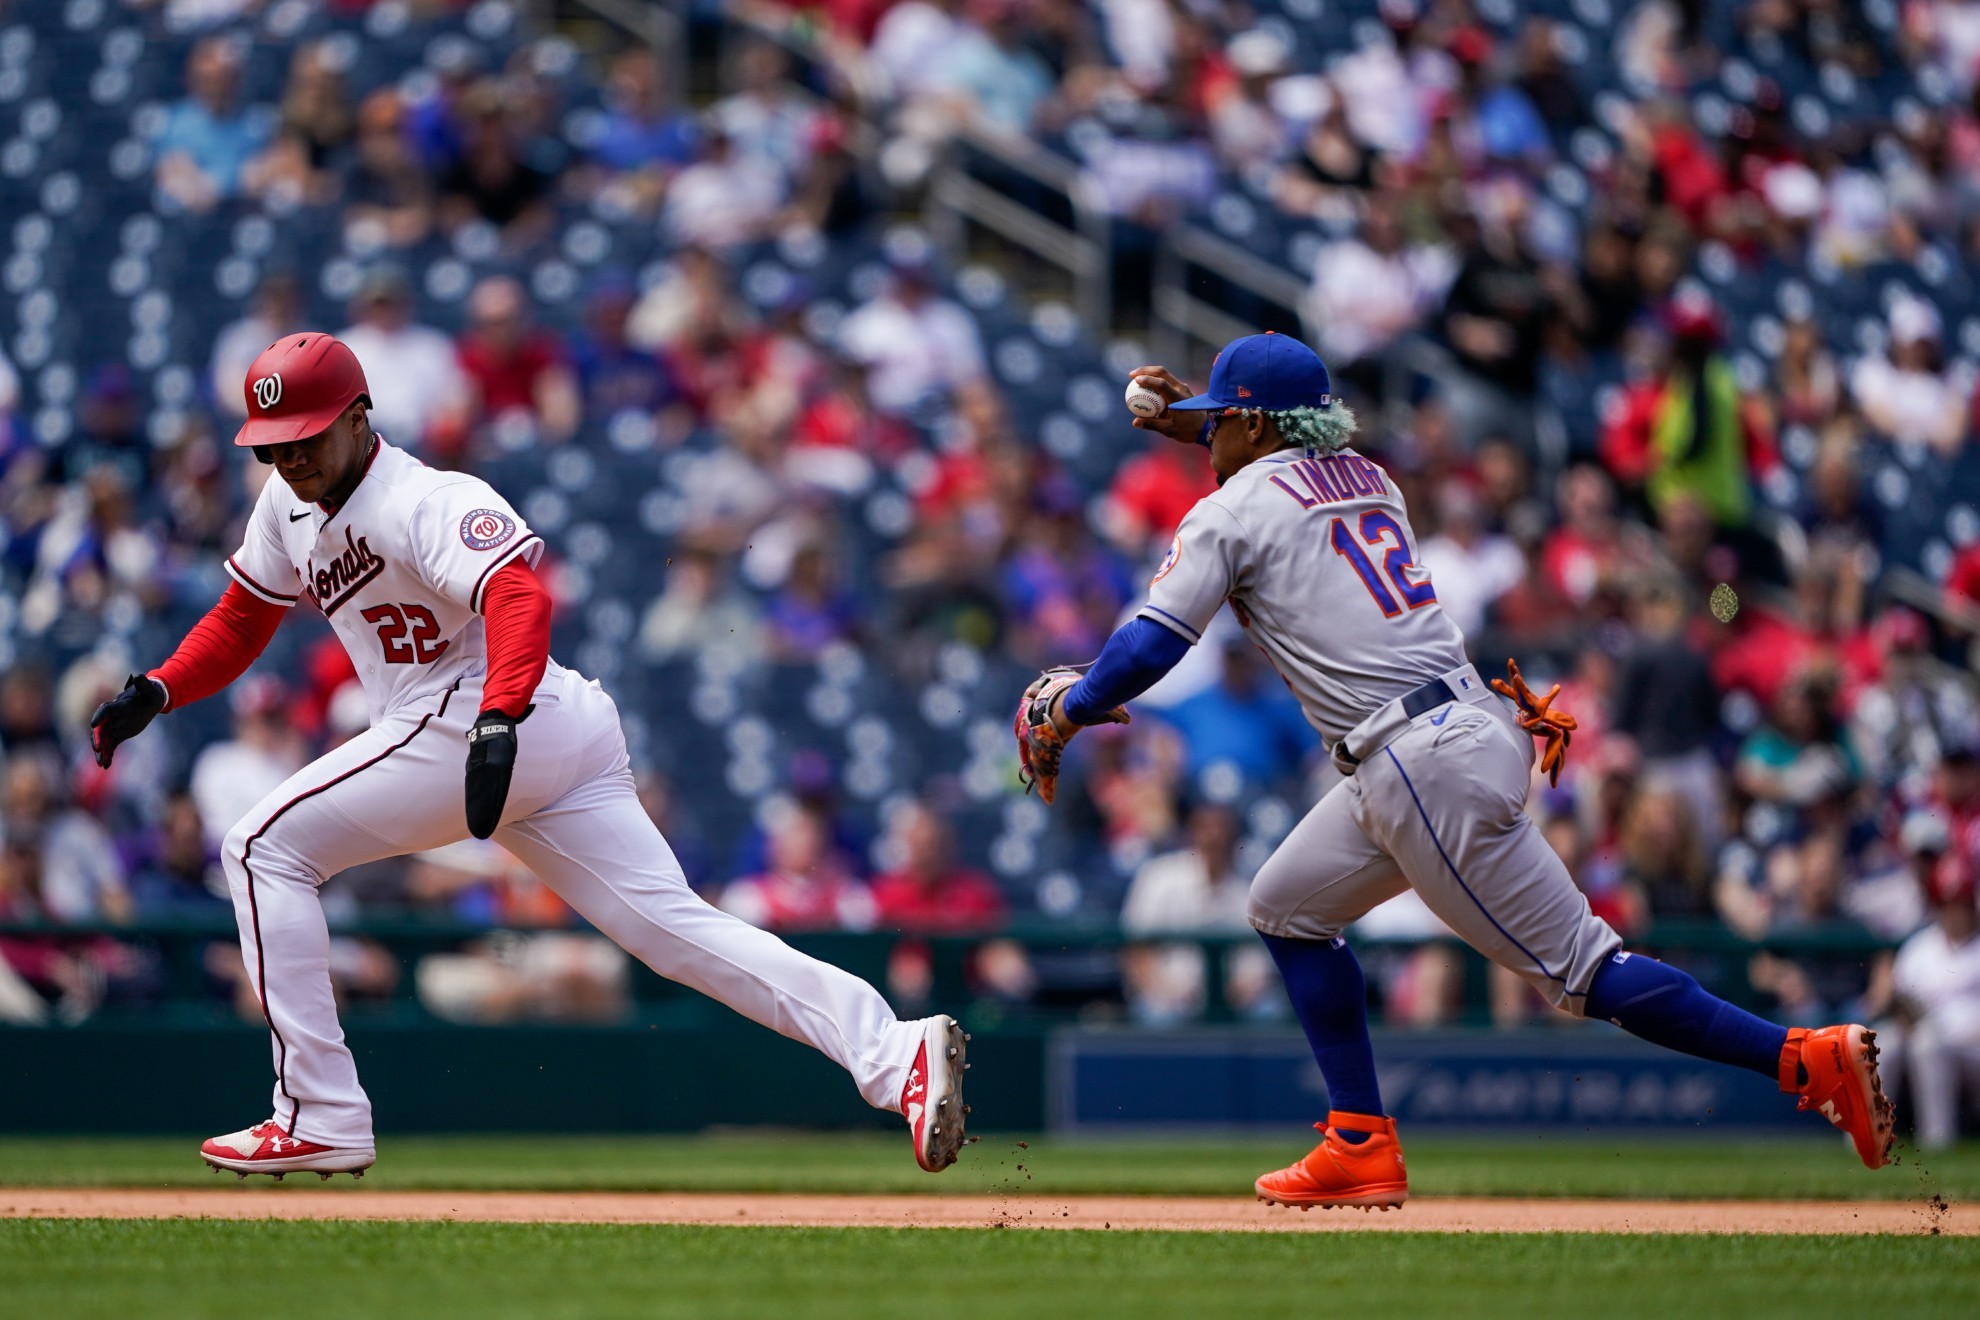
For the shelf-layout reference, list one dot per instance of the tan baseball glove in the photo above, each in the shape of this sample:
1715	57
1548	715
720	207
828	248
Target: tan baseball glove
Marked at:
1043	730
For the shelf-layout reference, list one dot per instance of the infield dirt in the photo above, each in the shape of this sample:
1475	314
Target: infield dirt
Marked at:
1200	1214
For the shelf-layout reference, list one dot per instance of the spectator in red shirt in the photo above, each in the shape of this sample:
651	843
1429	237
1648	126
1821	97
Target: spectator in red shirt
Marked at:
1956	795
804	886
1151	494
1963	581
1590	549
517	371
841	417
1825	627
925	892
1693	177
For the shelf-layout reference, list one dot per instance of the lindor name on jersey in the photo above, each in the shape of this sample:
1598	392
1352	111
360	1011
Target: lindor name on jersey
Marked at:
1316	558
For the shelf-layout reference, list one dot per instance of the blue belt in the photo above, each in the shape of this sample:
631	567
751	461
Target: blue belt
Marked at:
1417	701
1427	698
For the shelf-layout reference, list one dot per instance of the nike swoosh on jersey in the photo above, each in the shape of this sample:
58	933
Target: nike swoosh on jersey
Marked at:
298	517
1441	716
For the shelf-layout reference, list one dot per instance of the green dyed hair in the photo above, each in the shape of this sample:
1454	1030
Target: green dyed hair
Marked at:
1317	430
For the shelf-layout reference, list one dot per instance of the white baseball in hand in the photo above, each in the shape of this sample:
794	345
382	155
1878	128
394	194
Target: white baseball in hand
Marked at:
1142	401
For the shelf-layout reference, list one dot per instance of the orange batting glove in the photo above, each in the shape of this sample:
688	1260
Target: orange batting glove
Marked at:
1537	717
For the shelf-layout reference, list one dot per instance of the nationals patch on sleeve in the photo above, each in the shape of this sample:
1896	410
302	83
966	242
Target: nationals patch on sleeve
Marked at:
484	529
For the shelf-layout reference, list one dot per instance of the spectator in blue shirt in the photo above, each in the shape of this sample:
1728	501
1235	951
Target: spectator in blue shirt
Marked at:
1000	80
1509	128
643	139
209	139
1248	721
614	375
174	872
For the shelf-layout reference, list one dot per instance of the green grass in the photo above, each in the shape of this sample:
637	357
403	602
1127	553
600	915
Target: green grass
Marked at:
1576	1165
166	1269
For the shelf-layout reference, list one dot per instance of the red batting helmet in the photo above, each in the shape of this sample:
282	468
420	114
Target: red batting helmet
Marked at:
297	388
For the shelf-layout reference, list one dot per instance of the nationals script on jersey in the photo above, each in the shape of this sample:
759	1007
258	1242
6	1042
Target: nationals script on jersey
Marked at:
398	570
1317	560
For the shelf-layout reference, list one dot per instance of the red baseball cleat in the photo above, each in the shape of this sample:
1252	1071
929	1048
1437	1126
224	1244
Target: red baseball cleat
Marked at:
1834	1071
1340	1172
268	1148
932	1100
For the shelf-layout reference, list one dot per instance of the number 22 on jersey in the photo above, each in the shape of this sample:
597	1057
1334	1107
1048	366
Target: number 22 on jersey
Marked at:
392	621
1382	535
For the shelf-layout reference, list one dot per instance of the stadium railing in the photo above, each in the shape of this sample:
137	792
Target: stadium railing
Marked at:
1076	966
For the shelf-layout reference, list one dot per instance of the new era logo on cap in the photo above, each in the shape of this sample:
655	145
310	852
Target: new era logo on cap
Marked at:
1273	372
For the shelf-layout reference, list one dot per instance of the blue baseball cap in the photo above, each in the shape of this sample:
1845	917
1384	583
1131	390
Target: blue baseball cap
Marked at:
1270	371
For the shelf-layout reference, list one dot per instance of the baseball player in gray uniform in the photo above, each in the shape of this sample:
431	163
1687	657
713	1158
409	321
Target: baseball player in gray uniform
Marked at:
1310	545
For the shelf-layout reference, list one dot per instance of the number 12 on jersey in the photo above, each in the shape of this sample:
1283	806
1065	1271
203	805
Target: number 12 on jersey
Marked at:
1379	530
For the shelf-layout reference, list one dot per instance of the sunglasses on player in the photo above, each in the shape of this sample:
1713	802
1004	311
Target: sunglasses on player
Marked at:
1210	424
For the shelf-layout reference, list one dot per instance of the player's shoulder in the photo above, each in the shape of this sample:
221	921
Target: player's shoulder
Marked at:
435	506
413	483
1214	514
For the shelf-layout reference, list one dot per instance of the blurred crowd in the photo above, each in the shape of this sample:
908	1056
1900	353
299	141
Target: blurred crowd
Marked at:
1606	479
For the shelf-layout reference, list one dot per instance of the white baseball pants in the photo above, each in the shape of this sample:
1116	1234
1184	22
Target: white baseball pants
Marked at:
1441	810
1938	1057
573	817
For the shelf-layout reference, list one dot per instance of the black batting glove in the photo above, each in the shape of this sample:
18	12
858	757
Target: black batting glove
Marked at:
491	760
125	715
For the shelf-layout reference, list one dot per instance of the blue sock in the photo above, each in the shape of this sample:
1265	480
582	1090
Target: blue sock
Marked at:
1667	1007
1331	999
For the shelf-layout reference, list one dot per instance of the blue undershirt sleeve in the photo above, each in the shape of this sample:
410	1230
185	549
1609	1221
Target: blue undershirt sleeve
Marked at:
1138	654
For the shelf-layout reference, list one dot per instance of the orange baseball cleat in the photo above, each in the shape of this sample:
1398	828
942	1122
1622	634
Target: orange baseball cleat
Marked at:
1339	1172
1834	1071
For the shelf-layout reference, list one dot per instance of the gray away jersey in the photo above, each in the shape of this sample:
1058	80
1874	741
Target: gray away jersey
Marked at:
1317	560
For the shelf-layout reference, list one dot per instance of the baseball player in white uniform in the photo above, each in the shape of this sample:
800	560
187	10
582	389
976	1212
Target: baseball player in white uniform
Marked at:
1310	545
427	578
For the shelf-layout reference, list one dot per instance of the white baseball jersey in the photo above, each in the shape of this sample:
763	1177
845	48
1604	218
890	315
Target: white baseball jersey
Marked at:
1317	560
1932	972
398	570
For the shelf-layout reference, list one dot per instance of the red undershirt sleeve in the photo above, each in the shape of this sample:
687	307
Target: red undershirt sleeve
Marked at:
516	610
219	648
